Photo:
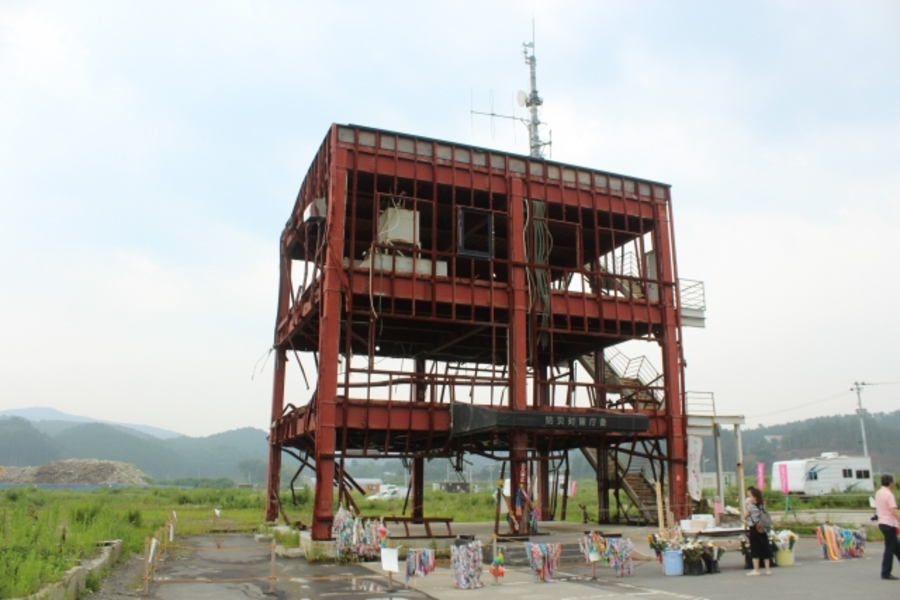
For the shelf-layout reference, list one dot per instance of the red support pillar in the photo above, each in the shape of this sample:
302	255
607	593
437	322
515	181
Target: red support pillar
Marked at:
418	485
417	480
544	489
518	345
542	398
274	468
329	334
673	373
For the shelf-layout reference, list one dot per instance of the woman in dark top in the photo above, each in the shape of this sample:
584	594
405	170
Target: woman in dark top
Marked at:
760	549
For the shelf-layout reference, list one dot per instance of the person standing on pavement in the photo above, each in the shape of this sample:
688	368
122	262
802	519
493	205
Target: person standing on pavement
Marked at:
888	520
757	533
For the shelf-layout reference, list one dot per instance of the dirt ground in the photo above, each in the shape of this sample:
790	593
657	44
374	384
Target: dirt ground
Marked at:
124	581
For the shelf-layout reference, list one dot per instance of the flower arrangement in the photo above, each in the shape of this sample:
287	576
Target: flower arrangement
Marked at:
692	551
711	551
785	539
660	543
745	545
773	541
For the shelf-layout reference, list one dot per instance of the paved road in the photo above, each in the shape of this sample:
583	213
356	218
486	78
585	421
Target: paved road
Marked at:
212	573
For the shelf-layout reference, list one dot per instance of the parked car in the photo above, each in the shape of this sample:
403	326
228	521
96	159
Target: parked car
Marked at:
388	494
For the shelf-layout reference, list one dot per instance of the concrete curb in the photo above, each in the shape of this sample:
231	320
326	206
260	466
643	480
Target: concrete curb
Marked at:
74	579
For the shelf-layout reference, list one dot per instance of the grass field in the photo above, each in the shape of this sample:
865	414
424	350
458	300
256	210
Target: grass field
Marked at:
45	532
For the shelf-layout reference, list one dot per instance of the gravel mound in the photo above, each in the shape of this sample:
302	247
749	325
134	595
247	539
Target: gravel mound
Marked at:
76	470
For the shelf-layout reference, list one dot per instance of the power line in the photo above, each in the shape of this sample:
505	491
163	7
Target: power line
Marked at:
798	407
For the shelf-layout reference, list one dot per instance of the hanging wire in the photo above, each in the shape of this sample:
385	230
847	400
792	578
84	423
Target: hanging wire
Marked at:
777	412
264	356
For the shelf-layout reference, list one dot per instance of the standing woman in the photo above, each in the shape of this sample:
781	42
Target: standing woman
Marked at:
760	549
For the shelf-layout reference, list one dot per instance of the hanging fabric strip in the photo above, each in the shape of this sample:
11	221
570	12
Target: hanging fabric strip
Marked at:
466	565
838	542
544	559
419	563
358	537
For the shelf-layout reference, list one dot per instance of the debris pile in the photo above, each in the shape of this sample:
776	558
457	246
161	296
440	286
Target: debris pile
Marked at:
76	471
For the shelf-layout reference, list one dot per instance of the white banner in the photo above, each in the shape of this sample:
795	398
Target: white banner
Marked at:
695	451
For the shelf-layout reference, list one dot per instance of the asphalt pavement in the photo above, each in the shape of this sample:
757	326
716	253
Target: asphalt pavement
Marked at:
238	567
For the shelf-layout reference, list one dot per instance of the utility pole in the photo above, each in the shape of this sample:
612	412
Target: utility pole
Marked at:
857	387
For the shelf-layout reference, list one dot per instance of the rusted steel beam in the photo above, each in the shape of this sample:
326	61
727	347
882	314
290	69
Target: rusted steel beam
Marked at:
673	371
402	285
424	417
329	334
460	175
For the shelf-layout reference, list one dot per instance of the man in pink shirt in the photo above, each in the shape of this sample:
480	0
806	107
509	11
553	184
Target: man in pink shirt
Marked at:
888	520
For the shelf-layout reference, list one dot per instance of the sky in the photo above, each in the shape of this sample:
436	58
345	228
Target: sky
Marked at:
151	152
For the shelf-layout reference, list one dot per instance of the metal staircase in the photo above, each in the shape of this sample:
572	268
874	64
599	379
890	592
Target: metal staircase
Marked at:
629	470
638	385
632	475
635	378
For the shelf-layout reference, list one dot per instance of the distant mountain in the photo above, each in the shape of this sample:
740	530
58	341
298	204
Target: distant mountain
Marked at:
220	453
55	421
240	454
150	455
22	445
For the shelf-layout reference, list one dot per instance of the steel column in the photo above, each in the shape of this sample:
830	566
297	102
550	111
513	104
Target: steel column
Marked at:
274	467
329	334
518	344
676	438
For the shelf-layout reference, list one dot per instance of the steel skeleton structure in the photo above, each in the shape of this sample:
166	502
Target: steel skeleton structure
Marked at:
448	293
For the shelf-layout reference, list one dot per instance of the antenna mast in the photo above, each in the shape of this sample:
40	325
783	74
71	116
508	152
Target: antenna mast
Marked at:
533	101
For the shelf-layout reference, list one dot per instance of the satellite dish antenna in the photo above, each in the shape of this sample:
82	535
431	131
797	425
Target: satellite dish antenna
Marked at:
522	98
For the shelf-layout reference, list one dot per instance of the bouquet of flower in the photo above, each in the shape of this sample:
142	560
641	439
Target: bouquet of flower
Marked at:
660	543
773	541
692	551
785	539
711	551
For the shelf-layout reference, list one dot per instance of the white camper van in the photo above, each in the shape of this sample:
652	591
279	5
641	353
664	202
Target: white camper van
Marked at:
827	473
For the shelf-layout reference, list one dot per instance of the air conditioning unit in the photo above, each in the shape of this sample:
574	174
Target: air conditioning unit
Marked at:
398	226
315	211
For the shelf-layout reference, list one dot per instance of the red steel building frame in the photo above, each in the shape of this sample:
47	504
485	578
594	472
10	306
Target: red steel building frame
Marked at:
467	335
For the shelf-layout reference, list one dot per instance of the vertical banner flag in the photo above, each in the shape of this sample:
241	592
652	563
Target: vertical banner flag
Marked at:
782	470
761	476
695	450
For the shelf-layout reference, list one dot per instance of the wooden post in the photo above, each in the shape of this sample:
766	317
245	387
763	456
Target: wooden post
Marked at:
146	566
500	498
659	507
494	555
272	568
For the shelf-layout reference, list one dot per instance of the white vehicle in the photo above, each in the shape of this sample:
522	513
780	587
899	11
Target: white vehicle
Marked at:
825	474
388	493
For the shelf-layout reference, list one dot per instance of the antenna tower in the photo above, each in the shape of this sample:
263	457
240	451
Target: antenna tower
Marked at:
532	101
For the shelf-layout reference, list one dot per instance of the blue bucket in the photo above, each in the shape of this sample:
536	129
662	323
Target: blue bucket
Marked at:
673	564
